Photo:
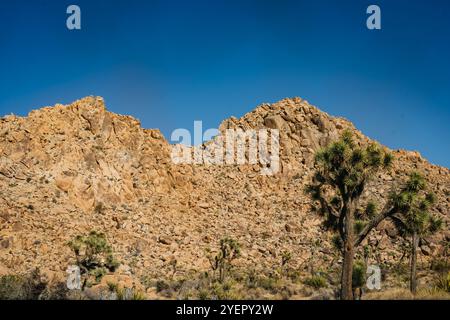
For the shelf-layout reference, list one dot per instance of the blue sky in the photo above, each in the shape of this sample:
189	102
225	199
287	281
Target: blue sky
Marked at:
169	62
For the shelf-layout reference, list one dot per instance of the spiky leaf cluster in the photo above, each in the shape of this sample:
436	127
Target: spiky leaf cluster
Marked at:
413	203
343	169
222	261
94	254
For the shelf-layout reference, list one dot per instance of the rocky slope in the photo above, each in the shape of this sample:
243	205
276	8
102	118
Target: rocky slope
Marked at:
66	170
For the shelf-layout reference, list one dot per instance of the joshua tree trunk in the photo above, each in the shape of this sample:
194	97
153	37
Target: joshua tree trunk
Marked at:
347	271
413	275
347	266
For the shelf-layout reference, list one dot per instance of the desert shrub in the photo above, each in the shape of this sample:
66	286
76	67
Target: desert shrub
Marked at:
161	285
359	226
440	265
316	281
293	275
400	271
122	293
337	242
224	291
170	289
252	279
358	279
286	256
205	287
128	294
442	281
57	291
267	283
371	209
94	256
21	287
12	287
203	294
405	294
148	281
112	286
137	295
359	274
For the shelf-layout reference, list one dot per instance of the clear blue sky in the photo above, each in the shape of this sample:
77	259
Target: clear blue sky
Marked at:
169	63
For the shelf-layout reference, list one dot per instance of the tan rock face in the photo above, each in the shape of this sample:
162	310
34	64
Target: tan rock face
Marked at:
66	170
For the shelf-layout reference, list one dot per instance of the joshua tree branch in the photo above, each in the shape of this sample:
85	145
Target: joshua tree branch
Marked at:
387	212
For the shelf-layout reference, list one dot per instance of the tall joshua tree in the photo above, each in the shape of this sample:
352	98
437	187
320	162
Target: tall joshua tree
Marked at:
413	219
342	171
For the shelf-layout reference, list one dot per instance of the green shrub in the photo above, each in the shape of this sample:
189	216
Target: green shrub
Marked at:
161	285
12	287
112	286
371	209
285	258
137	295
223	291
252	279
359	274
440	265
128	294
58	291
203	294
316	281
359	226
21	287
268	283
443	281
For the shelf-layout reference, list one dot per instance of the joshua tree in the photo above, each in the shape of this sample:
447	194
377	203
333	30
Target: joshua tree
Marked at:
414	220
343	170
94	255
229	250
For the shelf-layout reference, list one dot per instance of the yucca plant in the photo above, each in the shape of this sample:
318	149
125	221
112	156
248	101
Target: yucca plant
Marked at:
358	279
222	261
94	255
343	170
414	220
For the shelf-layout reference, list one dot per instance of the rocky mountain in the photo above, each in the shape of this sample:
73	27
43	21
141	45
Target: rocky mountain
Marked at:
69	169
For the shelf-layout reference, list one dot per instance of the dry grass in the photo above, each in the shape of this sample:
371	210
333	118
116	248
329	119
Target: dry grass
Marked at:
405	294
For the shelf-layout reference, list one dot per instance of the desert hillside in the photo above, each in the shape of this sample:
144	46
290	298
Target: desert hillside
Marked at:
69	169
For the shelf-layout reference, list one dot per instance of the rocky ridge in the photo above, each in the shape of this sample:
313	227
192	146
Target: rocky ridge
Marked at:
69	169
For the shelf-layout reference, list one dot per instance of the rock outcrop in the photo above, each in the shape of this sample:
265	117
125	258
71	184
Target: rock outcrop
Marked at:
66	170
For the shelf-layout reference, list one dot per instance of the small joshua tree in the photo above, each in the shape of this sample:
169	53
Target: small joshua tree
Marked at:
286	257
94	255
229	250
414	220
343	170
